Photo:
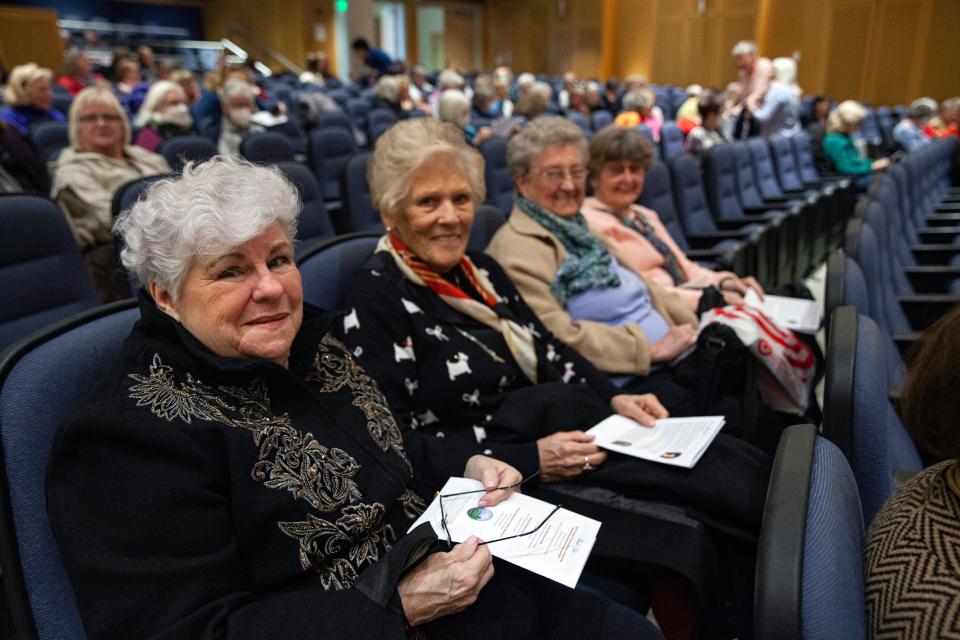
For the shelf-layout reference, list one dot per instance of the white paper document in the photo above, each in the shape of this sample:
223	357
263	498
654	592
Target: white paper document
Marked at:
676	441
558	550
796	314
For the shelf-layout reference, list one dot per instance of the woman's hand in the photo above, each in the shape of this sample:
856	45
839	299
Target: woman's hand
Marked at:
445	583
492	473
669	347
645	409
731	283
880	165
566	454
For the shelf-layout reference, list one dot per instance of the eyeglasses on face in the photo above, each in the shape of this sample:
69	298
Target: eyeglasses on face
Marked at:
556	175
443	514
111	118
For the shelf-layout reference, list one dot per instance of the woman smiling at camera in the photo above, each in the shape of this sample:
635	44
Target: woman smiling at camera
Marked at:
239	475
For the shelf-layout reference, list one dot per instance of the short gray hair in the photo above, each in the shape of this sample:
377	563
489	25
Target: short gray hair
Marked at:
452	106
638	99
233	88
744	48
536	136
543	89
405	147
213	207
450	79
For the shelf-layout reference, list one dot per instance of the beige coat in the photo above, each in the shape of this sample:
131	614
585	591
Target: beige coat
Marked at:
84	183
531	256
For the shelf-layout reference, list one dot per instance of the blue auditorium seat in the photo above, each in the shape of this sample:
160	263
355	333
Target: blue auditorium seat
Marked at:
182	149
330	148
486	220
581	121
49	134
809	575
42	276
334	119
375	130
358	213
785	164
645	130
314	224
378	121
327	268
671	141
496	175
857	414
358	108
601	119
42	379
267	147
341	97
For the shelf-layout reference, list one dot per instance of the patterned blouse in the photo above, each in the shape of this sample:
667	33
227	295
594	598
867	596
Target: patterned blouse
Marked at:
912	559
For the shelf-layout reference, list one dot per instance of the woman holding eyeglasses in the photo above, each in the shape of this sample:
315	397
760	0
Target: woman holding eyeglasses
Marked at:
461	357
85	176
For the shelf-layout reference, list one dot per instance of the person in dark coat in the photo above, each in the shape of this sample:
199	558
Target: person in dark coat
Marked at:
239	475
461	357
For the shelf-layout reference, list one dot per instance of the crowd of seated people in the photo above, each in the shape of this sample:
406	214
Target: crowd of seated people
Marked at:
491	365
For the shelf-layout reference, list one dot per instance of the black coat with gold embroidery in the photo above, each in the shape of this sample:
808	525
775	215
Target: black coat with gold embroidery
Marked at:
198	496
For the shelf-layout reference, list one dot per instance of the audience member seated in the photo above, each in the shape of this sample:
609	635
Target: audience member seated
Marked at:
503	106
420	89
459	355
594	96
577	102
376	61
237	99
483	105
276	485
318	69
819	111
29	98
530	106
948	122
392	93
188	82
779	113
19	163
127	81
638	108
525	82
448	79
619	159
86	174
206	109
838	146
164	114
563	96
622	324
756	74
151	69
688	115
909	133
912	577
455	109
611	95
77	72
709	133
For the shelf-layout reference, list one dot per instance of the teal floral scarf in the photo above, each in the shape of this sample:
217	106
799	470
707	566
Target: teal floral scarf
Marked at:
588	262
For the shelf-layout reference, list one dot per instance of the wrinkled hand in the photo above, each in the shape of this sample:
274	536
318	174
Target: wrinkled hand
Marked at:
445	583
677	340
563	455
645	409
880	164
482	134
492	473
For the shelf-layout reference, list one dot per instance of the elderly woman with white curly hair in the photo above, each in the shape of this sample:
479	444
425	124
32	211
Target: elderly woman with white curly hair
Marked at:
237	474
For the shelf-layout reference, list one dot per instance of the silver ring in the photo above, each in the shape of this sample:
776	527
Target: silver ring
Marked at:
586	464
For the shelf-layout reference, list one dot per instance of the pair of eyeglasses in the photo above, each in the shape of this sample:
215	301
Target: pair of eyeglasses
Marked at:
94	117
556	175
443	514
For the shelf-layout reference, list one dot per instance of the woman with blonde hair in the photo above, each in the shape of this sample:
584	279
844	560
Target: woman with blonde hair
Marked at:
29	96
838	146
85	176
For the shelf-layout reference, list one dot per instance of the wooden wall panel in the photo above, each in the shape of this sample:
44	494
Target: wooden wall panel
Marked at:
634	29
668	48
849	37
894	51
938	69
30	35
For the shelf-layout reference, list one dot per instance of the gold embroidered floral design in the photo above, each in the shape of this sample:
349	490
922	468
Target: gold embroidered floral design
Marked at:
412	504
358	531
167	400
334	368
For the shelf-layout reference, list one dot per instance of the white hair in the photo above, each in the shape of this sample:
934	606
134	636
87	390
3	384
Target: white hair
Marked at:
388	88
536	137
452	107
694	90
543	89
450	79
211	208
744	48
526	79
157	94
638	99
785	70
234	88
